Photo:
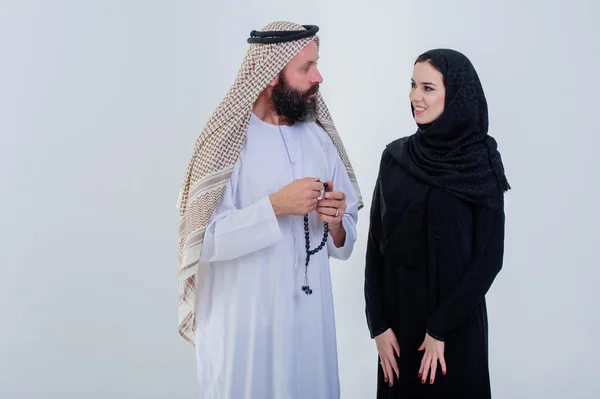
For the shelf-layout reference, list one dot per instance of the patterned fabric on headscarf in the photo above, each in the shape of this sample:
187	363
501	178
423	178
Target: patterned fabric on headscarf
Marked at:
216	152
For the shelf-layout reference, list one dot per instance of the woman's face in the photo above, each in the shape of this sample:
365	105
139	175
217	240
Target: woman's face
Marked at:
427	93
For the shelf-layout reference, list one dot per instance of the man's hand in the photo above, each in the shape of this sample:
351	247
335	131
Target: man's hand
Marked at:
297	198
331	209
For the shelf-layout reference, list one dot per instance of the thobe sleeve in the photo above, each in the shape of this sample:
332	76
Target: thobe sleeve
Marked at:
341	182
486	263
234	232
374	265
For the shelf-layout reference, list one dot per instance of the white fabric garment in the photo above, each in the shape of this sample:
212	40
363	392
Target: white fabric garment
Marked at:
259	336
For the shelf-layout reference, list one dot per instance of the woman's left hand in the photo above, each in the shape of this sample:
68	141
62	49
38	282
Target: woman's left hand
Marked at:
434	352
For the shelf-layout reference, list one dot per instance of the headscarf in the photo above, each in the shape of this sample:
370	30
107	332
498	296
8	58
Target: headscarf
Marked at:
455	152
219	145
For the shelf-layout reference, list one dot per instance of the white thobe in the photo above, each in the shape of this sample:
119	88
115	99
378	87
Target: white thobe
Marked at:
259	336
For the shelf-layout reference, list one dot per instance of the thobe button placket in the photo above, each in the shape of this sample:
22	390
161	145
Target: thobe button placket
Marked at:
295	222
289	146
292	160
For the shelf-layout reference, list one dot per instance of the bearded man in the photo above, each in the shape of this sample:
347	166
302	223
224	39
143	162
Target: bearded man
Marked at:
269	196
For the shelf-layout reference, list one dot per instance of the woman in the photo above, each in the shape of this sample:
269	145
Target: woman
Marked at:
436	239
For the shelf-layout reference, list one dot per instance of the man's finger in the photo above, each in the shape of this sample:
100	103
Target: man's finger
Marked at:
338	195
327	218
311	194
316	188
332	203
326	211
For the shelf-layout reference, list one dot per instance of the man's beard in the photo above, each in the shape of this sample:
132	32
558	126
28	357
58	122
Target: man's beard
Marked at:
293	104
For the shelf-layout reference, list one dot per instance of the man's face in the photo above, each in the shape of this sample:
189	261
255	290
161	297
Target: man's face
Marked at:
294	90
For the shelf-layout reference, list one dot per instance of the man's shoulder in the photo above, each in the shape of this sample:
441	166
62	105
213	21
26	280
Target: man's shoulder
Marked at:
319	131
316	127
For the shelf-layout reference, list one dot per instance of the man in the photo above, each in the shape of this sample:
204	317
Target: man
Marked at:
269	196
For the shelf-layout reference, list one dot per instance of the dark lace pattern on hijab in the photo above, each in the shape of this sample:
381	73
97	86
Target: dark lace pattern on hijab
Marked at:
455	152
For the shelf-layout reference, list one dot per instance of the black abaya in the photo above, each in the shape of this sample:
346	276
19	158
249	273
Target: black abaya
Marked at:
436	241
429	265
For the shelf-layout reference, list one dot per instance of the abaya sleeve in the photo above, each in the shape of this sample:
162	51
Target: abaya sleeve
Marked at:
486	262
374	269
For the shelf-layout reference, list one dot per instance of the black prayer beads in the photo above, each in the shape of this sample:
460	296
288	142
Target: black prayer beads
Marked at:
306	288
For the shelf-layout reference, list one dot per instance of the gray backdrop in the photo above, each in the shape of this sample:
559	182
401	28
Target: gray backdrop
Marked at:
100	104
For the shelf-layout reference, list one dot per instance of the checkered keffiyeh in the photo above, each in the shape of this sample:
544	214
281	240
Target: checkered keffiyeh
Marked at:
216	152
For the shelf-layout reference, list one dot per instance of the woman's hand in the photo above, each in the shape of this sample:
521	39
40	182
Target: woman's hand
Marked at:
387	344
434	352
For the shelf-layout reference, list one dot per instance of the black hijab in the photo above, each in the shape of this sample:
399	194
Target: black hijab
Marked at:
455	152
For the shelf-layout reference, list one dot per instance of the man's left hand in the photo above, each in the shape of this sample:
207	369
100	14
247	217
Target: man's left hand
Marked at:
332	207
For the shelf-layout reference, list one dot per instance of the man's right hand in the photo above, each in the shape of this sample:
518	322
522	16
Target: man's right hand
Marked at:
297	198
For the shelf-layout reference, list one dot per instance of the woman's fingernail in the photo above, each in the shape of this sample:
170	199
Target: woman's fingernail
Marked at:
420	374
431	381
443	373
422	381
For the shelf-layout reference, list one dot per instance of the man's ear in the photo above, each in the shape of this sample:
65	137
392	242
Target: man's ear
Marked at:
274	82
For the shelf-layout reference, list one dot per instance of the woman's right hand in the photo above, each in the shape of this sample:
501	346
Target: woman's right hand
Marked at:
387	344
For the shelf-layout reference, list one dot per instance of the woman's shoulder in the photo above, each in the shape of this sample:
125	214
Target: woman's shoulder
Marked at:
394	150
398	145
392	153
